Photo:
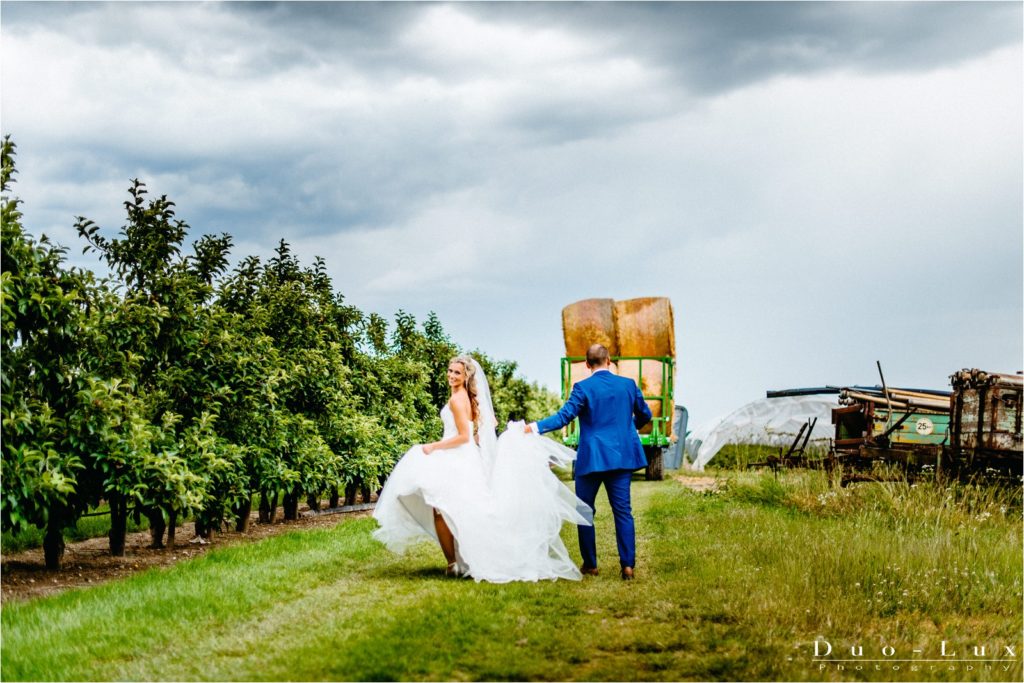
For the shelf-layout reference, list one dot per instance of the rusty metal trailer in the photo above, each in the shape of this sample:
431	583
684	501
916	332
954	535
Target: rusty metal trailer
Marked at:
986	414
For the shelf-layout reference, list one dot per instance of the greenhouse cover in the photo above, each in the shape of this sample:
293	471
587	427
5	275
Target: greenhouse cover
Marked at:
774	421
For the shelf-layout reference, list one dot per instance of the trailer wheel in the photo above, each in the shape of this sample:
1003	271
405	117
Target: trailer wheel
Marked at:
655	465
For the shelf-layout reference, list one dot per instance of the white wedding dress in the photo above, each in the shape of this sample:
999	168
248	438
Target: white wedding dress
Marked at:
506	515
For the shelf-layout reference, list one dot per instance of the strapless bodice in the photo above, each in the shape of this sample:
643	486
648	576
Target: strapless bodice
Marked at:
448	420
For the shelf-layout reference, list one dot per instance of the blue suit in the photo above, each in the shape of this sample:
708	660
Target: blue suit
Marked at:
610	409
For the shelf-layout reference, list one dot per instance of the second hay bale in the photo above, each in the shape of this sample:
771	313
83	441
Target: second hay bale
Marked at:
656	411
646	373
645	327
649	376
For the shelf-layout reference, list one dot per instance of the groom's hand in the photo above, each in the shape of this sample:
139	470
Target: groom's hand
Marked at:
530	428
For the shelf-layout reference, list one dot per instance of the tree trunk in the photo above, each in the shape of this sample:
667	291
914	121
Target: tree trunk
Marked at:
53	542
268	506
264	508
313	500
333	503
291	505
157	526
365	493
242	515
350	493
172	527
118	523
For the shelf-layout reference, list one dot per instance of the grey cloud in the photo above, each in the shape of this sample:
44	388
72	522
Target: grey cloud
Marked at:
570	165
564	120
703	48
303	33
710	46
716	46
361	32
31	14
334	24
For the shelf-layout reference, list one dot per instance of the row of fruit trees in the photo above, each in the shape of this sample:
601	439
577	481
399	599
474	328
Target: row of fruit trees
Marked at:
177	387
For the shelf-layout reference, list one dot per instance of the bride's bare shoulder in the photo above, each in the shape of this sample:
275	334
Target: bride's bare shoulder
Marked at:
459	402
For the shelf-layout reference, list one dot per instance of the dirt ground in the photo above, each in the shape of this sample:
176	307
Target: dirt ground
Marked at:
24	575
699	484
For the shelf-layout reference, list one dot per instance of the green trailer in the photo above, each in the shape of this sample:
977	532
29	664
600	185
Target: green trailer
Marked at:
658	392
869	434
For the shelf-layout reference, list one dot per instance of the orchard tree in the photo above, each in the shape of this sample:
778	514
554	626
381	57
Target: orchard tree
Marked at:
55	411
183	390
175	365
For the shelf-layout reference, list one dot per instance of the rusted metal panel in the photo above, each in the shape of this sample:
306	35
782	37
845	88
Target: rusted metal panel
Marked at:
987	411
851	425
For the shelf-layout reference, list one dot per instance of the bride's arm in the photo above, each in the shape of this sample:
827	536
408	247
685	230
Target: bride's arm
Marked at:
460	411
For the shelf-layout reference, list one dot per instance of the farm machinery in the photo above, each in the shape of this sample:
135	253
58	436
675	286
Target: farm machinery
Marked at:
972	431
640	337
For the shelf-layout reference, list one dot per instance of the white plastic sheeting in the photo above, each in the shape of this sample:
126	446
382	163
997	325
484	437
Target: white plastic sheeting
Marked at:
768	421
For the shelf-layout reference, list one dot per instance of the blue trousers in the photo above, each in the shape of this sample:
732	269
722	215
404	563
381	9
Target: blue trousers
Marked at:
616	485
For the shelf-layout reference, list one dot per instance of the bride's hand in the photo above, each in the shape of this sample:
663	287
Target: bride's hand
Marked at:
429	448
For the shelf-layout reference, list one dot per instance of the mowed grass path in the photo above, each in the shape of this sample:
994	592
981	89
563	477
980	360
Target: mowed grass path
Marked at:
731	586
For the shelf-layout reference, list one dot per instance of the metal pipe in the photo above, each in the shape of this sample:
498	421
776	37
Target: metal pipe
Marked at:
886	390
924	403
875	399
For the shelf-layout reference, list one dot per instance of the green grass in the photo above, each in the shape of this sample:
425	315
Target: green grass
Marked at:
732	585
741	455
86	527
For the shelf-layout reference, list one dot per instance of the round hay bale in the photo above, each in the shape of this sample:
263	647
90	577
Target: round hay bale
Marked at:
655	407
577	371
651	383
591	321
657	411
645	327
646	373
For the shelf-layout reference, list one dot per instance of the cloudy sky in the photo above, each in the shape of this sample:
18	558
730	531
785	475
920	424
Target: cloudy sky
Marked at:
816	186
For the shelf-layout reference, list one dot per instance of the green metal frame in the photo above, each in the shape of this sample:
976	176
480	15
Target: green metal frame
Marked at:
658	436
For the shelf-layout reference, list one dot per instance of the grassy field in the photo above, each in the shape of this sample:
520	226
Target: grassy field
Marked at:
732	585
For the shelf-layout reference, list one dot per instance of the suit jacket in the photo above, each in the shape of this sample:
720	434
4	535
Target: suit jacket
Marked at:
610	409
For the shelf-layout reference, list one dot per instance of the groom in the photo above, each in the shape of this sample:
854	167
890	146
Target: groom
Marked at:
611	409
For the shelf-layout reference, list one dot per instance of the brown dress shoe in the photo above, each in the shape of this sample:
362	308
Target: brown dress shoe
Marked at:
627	573
588	571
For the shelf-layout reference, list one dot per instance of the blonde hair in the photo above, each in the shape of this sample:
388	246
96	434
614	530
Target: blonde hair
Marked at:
469	366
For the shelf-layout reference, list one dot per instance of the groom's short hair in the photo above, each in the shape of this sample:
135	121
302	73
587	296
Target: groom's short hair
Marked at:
597	355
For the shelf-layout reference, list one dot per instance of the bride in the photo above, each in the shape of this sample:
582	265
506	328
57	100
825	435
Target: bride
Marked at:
493	505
